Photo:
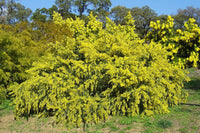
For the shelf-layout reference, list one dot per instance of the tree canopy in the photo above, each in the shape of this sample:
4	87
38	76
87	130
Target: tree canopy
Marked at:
12	12
184	14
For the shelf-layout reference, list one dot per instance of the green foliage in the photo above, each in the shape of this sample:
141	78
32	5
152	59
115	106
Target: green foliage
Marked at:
40	15
96	72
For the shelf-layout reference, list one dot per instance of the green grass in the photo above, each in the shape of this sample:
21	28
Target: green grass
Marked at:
125	121
164	124
5	107
111	125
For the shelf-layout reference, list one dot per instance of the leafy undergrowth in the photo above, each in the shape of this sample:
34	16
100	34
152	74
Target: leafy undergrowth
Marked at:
181	119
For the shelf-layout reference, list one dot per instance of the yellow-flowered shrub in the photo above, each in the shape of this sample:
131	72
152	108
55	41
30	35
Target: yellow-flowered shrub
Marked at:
184	45
189	43
99	72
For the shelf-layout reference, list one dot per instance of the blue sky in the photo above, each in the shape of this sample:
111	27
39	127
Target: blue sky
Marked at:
160	6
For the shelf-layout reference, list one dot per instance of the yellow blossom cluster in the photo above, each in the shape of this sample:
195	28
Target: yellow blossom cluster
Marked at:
183	44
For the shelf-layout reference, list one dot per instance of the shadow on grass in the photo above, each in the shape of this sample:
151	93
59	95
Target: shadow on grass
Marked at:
193	88
194	84
194	75
191	104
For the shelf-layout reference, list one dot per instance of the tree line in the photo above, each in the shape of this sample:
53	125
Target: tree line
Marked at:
12	12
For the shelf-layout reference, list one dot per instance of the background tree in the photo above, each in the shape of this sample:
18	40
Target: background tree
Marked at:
40	15
184	14
102	8
118	13
72	8
12	12
82	6
143	16
65	8
162	18
44	14
2	11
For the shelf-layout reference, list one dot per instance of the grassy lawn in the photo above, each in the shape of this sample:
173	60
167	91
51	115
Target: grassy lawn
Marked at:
181	119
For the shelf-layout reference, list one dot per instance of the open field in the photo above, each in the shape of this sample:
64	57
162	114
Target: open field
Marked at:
181	119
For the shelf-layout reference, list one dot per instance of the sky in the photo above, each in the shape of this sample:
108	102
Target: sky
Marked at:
167	7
